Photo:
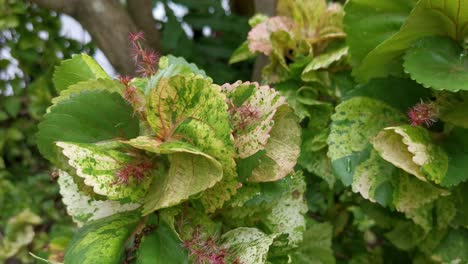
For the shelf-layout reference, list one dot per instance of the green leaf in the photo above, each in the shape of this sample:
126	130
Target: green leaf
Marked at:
77	69
456	147
452	248
88	117
428	18
83	208
452	108
161	246
324	60
438	63
192	109
247	245
191	171
241	53
354	161
389	90
99	168
317	246
102	241
370	22
405	235
411	193
411	149
111	86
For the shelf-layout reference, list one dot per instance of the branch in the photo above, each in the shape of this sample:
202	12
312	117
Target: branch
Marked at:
141	12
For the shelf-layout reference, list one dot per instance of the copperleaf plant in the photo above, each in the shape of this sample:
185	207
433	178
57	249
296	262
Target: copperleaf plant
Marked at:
149	166
380	88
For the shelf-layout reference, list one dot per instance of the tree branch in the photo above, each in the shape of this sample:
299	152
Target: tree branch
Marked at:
141	12
109	22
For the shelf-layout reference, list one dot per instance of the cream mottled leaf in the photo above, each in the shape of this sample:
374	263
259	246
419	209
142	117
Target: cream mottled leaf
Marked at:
412	193
248	245
411	149
252	109
83	208
287	215
355	122
259	36
282	148
99	166
18	233
192	109
190	172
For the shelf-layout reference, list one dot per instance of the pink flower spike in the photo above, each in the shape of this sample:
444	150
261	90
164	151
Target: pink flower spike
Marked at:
423	113
136	36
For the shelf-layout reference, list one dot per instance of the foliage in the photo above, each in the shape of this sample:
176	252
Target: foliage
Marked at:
394	134
31	217
170	145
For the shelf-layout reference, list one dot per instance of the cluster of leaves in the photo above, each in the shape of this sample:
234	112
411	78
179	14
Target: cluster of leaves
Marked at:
381	89
30	44
162	166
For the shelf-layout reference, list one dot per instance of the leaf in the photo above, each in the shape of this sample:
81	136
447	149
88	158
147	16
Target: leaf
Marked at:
456	147
368	23
317	246
324	60
259	36
71	120
77	69
438	63
354	123
192	109
452	108
428	18
389	90
412	193
102	241
241	53
111	86
83	208
282	149
452	248
287	215
411	149
161	246
252	109
405	235
191	171
305	13
18	233
170	66
247	245
99	168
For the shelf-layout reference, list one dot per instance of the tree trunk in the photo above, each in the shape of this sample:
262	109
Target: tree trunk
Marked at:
109	22
267	7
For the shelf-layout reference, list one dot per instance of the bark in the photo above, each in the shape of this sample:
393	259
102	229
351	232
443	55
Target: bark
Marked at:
109	22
